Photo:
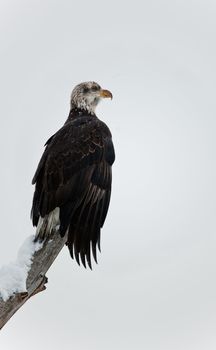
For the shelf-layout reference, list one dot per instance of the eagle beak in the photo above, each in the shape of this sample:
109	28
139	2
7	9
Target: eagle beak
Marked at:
106	94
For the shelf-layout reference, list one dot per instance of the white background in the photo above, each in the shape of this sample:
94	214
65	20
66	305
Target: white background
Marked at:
154	287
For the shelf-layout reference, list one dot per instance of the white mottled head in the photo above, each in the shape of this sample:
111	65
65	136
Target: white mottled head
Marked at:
86	96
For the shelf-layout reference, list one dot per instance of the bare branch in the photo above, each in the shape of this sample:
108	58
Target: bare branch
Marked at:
36	280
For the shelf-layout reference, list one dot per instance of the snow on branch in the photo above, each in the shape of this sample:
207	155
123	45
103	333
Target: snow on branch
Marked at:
14	275
24	278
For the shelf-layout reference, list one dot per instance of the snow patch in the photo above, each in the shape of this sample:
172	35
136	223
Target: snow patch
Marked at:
13	276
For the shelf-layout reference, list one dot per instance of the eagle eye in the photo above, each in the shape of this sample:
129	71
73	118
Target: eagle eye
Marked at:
94	88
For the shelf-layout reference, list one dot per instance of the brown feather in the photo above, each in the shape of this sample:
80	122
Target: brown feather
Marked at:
74	174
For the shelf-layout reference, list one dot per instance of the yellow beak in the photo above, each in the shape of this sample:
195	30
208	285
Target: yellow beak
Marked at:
105	94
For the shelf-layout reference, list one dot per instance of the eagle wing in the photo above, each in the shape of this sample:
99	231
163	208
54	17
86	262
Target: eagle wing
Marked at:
74	175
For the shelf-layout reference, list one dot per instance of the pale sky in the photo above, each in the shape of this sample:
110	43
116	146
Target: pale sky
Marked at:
154	287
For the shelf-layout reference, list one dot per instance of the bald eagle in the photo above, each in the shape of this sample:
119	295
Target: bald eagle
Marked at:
74	176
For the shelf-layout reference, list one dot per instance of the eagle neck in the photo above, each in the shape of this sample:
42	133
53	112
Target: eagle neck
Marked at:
78	112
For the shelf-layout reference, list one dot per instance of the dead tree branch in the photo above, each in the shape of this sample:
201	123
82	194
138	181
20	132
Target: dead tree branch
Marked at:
36	280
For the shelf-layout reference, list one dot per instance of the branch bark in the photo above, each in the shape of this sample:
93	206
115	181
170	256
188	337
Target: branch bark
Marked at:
36	279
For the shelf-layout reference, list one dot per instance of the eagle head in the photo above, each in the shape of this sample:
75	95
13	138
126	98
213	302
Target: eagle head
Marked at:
85	96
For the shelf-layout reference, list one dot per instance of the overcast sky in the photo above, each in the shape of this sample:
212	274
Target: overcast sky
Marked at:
154	287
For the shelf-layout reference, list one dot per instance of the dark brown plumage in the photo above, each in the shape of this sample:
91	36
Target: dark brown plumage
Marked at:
75	175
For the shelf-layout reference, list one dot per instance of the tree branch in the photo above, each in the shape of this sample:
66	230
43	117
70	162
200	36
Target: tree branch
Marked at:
36	279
